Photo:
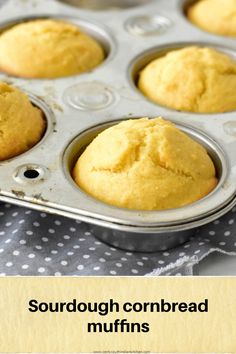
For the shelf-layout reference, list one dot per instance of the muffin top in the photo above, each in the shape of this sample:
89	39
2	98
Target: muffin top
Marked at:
21	124
216	16
145	164
48	49
194	79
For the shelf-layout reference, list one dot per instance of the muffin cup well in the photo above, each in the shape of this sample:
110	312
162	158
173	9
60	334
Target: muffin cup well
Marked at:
185	5
94	30
143	59
161	236
141	242
79	143
102	5
150	239
50	124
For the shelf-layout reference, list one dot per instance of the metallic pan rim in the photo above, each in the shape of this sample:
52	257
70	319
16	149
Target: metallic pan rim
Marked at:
195	211
120	227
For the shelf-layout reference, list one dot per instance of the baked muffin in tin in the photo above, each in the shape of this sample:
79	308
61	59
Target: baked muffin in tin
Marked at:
48	49
145	164
22	125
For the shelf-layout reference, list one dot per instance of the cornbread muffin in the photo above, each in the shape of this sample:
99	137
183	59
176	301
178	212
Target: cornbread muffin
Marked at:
48	49
194	79
216	16
145	164
21	124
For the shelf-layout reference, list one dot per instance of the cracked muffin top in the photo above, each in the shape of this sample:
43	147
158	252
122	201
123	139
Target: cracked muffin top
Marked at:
48	49
216	16
145	164
21	124
193	79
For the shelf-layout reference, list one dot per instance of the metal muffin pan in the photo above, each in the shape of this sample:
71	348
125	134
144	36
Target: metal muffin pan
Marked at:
78	107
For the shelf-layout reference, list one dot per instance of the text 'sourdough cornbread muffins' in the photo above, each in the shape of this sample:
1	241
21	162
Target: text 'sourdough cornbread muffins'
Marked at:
216	16
193	79
48	49
21	124
145	164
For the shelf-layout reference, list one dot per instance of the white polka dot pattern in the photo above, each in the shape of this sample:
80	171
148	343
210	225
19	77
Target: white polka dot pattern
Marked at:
34	243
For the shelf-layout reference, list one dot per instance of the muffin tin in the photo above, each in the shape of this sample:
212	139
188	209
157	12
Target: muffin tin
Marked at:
78	107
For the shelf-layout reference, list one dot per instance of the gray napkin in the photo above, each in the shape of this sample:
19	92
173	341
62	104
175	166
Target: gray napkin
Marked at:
35	243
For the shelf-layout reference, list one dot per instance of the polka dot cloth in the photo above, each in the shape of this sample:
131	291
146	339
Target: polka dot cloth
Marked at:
34	243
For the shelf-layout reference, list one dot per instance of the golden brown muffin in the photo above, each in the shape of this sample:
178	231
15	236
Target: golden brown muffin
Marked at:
193	79
48	49
216	16
21	124
145	164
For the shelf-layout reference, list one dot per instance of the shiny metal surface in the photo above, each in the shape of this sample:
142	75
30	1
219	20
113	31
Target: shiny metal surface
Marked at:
78	107
141	242
99	5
